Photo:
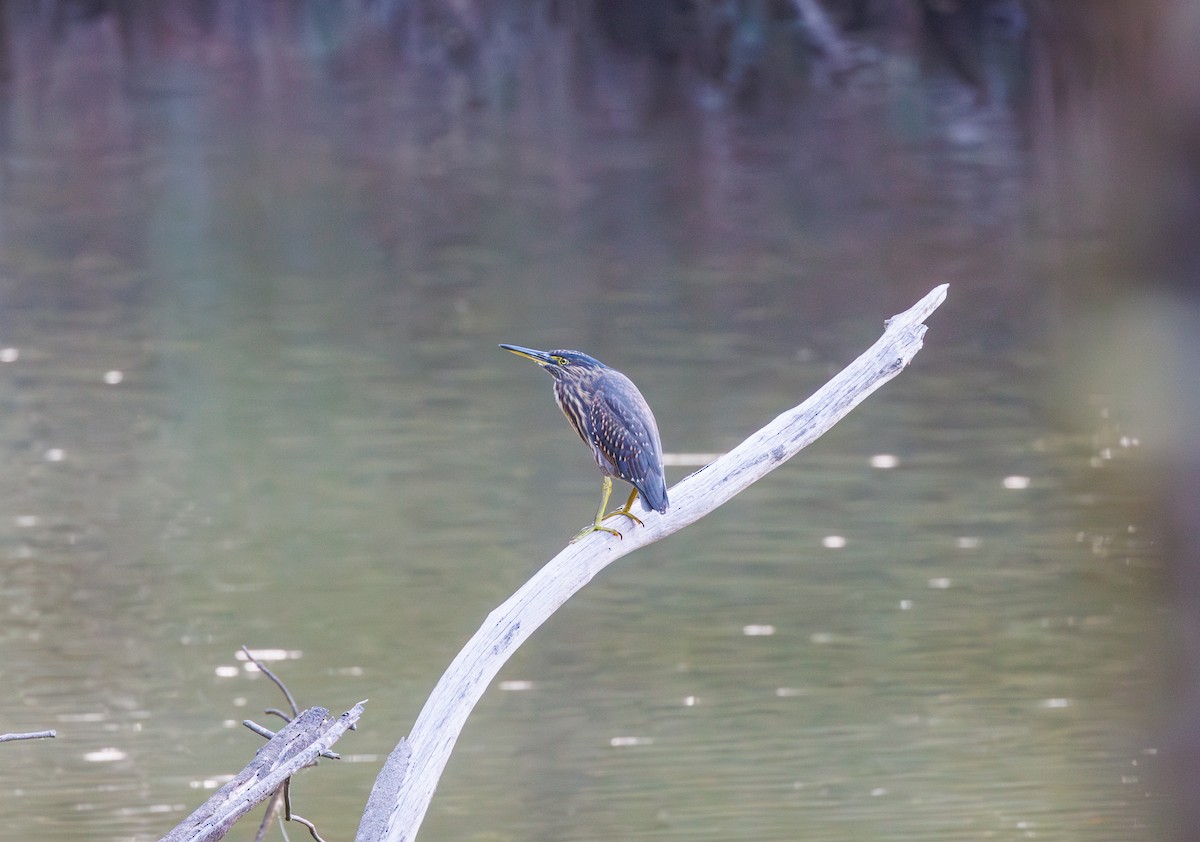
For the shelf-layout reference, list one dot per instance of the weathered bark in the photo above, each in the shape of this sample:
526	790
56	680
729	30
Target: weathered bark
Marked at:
299	744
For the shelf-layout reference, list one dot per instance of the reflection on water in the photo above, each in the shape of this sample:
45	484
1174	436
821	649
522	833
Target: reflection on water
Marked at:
251	396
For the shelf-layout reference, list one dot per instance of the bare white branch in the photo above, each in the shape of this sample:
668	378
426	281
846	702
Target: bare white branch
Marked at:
404	788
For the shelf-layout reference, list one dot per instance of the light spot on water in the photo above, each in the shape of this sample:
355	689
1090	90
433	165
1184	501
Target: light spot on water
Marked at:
81	717
268	655
625	742
149	809
211	783
690	459
105	755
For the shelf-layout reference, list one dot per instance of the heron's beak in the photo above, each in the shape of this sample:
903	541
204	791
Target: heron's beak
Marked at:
539	357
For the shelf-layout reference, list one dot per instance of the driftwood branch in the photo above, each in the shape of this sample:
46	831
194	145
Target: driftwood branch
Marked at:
297	745
404	788
31	735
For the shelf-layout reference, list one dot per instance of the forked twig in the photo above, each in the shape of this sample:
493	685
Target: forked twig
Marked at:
295	746
287	694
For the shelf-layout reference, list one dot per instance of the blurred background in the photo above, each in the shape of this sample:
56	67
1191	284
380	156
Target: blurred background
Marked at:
255	258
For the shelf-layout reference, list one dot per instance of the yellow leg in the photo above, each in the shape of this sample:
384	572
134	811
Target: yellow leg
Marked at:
596	527
624	510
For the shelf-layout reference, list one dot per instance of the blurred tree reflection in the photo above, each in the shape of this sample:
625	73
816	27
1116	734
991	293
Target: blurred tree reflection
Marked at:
715	51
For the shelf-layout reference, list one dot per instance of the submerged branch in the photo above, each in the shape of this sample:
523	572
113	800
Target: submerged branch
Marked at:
404	788
31	735
297	745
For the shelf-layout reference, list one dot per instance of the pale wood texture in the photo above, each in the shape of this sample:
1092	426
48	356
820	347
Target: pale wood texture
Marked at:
297	745
404	788
31	735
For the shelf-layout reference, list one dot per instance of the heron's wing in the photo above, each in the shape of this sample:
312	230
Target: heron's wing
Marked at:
623	428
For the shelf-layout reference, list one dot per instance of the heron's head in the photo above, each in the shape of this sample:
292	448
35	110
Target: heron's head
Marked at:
562	364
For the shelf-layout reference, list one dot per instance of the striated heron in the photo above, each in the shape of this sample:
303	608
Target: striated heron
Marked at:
614	420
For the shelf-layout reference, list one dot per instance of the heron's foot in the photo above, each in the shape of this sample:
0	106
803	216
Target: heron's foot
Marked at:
596	527
625	513
600	516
